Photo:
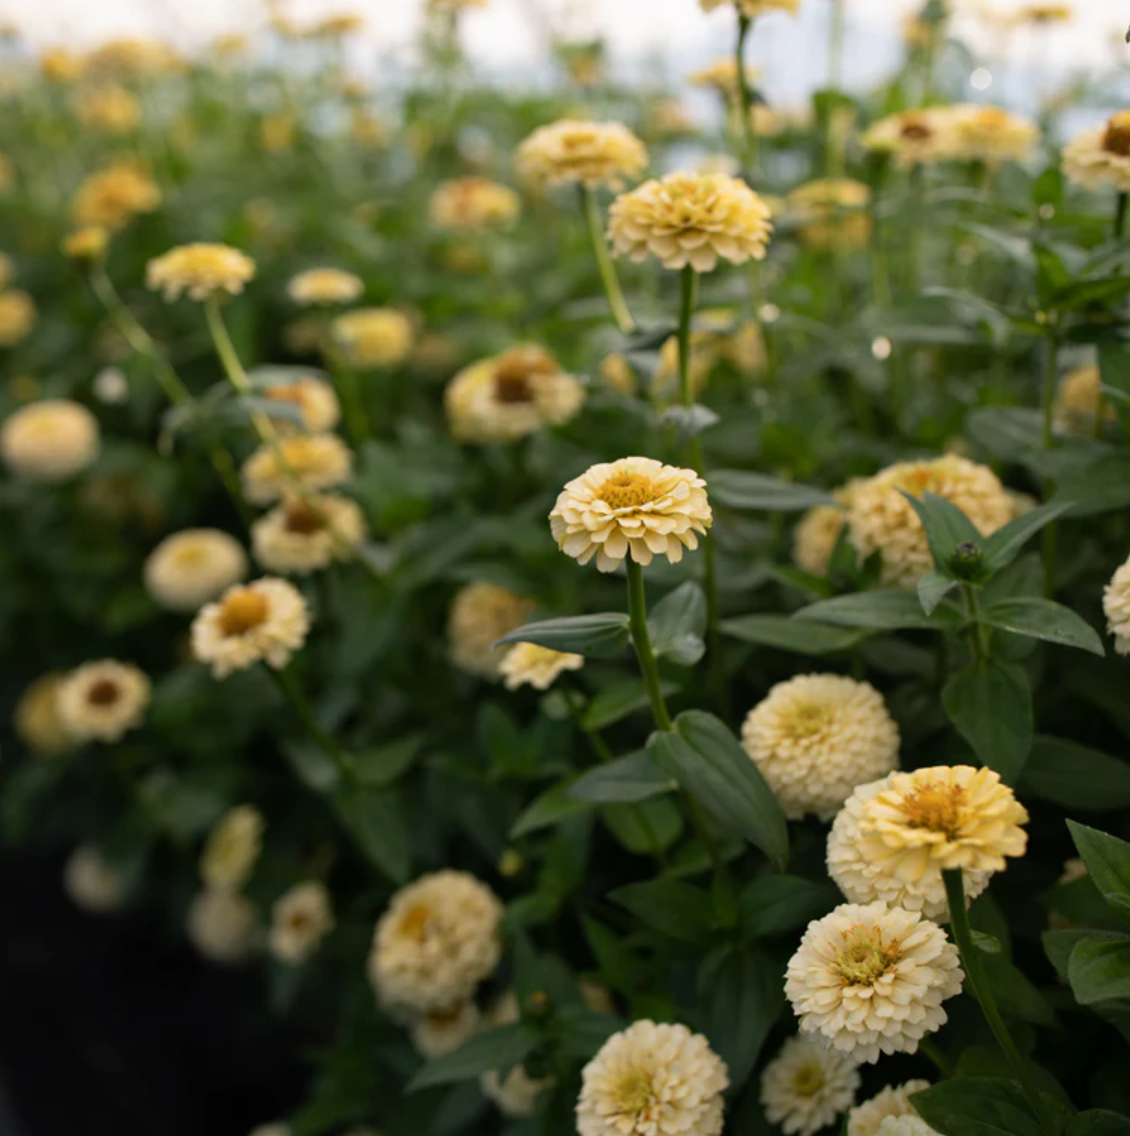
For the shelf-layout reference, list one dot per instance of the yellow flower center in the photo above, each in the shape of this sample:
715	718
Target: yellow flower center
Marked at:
1116	140
243	610
865	958
937	807
920	481
809	718
302	520
191	556
633	1092
414	922
627	491
808	1080
105	692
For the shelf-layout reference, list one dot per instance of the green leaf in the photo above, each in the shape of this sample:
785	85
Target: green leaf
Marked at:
990	704
313	765
880	611
1108	861
382	765
1098	1122
1044	619
738	489
988	944
552	807
932	589
1076	776
783	633
616	702
977	1106
1005	544
947	527
1098	487
627	779
646	828
677	910
1059	944
500	1048
595	636
1008	432
583	1031
375	820
678	623
1099	971
707	760
779	905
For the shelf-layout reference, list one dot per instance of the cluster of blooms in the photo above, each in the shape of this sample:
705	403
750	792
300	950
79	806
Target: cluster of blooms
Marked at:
960	132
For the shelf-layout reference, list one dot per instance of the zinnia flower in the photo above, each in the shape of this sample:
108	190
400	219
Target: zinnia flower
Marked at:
480	615
751	8
36	721
913	137
1116	608
588	153
314	398
223	926
1079	401
816	737
871	980
113	197
264	621
722	76
325	286
298	537
17	317
192	567
991	134
634	505
866	1119
1099	157
102	701
653	1080
50	440
470	204
690	219
89	242
232	848
807	1085
92	882
832	213
201	270
527	664
111	108
308	461
443	1031
300	920
374	337
436	942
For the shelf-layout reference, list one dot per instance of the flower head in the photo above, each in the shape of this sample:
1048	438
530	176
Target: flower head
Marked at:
300	920
192	567
17	317
872	979
36	721
1079	402
751	8
313	461
102	701
374	337
113	197
264	621
1116	608
722	76
690	219
866	1119
110	108
816	737
818	531
480	615
991	134
832	213
1099	157
223	926
89	242
297	537
442	1031
807	1085
232	848
634	505
92	882
913	137
471	204
50	440
653	1080
588	153
314	399
438	939
527	664
201	270
1044	14
325	286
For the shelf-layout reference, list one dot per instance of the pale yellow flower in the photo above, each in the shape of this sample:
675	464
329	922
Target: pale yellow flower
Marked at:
617	374
832	213
325	286
472	204
527	664
276	133
314	398
480	615
314	461
112	109
443	1031
1099	157
454	6
201	270
1079	401
224	926
374	337
113	197
871	980
102	701
62	65
807	1085
1044	14
49	440
302	917
722	76
588	153
89	242
913	137
1116	608
298	537
816	536
17	317
690	219
866	1119
232	848
992	134
36	721
634	506
92	882
516	1094
751	8
132	57
193	566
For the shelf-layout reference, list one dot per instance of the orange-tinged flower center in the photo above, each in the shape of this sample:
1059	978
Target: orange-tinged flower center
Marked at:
864	957
515	370
414	922
937	807
1116	140
243	610
105	692
627	490
302	520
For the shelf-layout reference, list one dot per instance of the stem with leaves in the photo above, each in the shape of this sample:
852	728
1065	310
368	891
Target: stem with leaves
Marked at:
288	684
608	277
745	98
641	640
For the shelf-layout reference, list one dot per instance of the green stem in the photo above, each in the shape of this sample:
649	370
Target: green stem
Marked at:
573	700
1120	215
608	277
641	640
288	684
978	640
357	424
834	155
745	99
687	304
1051	375
983	992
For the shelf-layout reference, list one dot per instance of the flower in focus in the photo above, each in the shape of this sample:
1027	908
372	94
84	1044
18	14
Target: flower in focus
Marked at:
113	197
17	317
36	721
480	615
527	664
1099	157
515	1095
634	505
193	566
653	1080
510	396
690	219
871	980
1079	401
991	134
264	621
470	204
89	242
894	837
312	461
223	926
111	108
232	848
832	213
816	737
201	270
587	153
300	920
438	939
751	8
807	1085
374	337
882	520
913	137
92	882
101	701
443	1031
314	398
867	1118
1116	608
305	536
325	286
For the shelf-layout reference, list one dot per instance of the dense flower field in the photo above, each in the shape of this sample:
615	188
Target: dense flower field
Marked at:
618	621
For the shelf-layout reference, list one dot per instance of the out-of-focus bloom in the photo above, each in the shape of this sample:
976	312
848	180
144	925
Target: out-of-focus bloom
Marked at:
131	57
314	461
832	213
816	737
722	76
36	721
1099	157
653	1080
1044	14
276	133
1079	401
224	926
92	882
511	395
454	6
807	1085
1116	608
338	25
264	621
867	1118
369	131
113	197
111	387
480	615
871	980
819	530
89	242
667	117
300	920
305	536
314	398
634	506
516	1094
617	374
50	440
17	317
442	1031
690	219
61	65
436	942
232	848
588	153
193	566
101	701
751	8
112	109
991	134
913	137
471	204
374	337
325	286
7	270
527	664
706	353
201	270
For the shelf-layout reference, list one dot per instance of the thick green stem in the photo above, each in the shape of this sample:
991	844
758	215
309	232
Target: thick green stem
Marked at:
1051	375
288	684
1120	215
978	638
608	277
688	299
641	640
983	992
745	98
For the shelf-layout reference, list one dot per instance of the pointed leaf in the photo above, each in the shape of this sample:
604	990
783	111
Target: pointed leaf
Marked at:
627	779
738	489
880	611
1076	776
990	704
500	1048
1005	544
678	623
595	636
1044	619
785	634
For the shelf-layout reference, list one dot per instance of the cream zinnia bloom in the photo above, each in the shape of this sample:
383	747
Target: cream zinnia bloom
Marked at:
1099	157
264	621
653	1080
314	398
816	536
992	134
871	980
113	197
1079	401
110	108
89	242
832	213
223	926
527	664
634	505
17	317
866	1119
913	137
325	286
300	920
315	461
50	440
690	219
510	396
516	1094
439	938
807	1085
1116	608
471	204
882	520
480	615
444	1031
92	882
102	701
201	270
298	537
816	737
905	1126
232	848
588	153
751	9
374	337
722	76
192	567
36	721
